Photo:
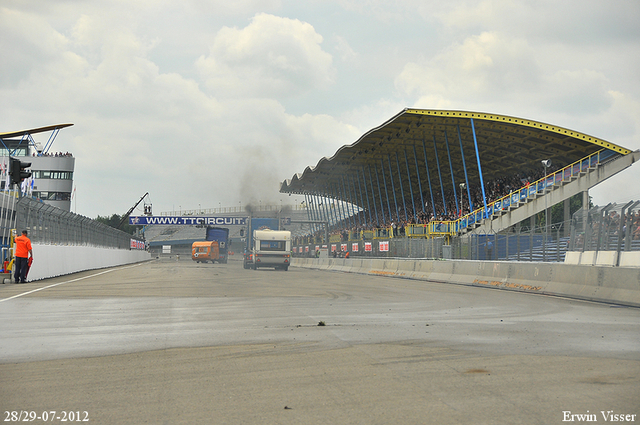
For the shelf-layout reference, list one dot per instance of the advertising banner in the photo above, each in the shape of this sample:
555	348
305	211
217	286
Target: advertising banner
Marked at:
354	247
367	247
188	221
333	247
135	244
343	247
383	246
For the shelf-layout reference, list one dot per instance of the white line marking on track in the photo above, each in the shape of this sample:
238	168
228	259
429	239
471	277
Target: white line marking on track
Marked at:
68	281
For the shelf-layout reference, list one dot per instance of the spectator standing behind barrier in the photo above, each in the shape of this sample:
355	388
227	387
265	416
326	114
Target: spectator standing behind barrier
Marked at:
23	252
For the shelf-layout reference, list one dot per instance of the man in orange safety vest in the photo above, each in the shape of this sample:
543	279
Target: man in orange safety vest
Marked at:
23	251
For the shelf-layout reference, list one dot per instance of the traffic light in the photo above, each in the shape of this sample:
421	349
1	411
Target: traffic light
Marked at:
18	170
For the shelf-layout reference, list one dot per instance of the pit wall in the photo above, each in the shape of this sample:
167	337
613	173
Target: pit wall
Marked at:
56	260
617	285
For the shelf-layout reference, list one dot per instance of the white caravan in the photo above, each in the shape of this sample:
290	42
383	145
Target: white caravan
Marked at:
271	248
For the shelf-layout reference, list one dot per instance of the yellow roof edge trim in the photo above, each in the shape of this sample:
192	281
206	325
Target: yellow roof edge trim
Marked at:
34	130
523	122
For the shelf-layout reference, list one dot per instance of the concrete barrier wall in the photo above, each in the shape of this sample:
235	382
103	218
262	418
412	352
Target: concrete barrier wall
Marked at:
630	259
57	260
603	258
618	285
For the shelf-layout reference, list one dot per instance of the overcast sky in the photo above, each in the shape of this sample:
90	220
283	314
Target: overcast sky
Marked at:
207	103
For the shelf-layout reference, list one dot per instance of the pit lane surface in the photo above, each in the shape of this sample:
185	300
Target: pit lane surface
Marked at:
179	342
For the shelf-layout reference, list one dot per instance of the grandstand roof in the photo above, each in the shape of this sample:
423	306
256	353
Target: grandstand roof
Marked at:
506	146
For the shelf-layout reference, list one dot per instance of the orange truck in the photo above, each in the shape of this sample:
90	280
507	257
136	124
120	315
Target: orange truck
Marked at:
205	251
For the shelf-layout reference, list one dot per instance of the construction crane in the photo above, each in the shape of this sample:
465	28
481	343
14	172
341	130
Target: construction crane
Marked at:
126	216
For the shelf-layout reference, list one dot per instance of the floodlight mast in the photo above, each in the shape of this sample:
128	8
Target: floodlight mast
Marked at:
546	163
462	187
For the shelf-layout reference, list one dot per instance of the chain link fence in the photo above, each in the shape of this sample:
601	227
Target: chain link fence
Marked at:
614	227
47	224
535	244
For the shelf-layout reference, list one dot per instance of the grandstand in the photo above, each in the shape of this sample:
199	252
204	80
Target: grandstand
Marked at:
444	174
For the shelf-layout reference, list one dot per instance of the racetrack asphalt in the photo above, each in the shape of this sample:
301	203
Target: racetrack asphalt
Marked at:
172	342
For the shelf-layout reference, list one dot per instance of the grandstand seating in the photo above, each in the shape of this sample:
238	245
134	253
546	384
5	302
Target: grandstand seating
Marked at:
156	233
563	184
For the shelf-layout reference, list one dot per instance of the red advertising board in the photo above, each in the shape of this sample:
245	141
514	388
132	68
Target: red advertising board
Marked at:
135	244
383	246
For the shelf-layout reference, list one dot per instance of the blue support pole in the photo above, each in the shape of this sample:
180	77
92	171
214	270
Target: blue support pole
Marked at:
475	142
444	202
327	209
347	219
336	207
464	165
393	188
315	212
364	183
401	188
384	220
373	197
319	212
332	208
453	181
413	204
348	196
338	204
316	209
426	164
306	202
364	211
386	191
415	156
356	203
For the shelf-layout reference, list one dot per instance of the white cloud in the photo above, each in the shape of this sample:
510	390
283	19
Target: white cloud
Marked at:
272	56
236	7
347	54
25	41
483	66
